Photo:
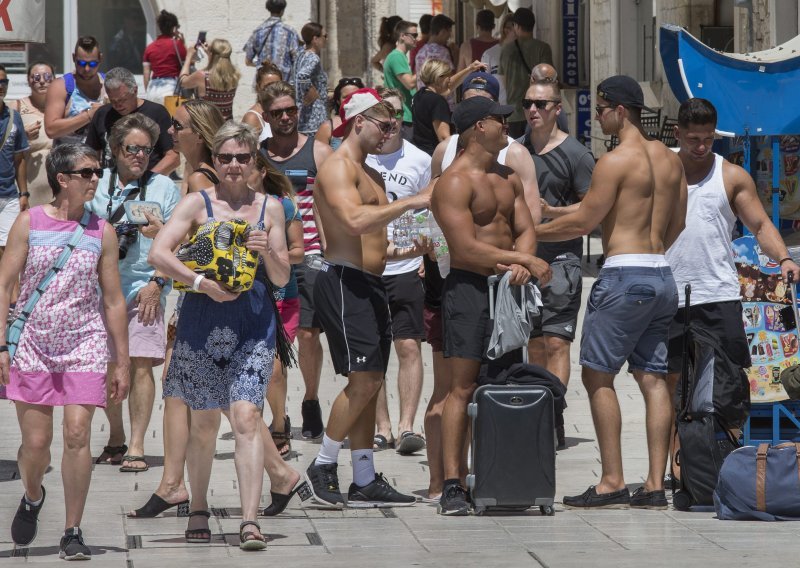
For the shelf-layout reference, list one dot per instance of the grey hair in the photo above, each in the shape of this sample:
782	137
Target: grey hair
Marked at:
236	131
133	121
119	76
63	158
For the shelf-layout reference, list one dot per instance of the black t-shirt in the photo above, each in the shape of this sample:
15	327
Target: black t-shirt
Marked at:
106	116
426	107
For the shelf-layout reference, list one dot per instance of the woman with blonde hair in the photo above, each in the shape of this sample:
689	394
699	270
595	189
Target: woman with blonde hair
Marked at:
216	83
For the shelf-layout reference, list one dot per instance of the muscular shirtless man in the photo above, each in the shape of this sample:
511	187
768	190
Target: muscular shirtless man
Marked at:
480	206
351	301
638	194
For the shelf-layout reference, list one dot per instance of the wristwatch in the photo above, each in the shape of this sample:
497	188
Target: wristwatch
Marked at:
160	280
25	194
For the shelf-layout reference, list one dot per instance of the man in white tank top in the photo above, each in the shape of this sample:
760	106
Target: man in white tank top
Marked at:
719	192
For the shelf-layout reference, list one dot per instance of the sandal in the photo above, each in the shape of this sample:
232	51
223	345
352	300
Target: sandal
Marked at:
410	443
257	542
283	439
156	505
111	451
281	501
380	443
198	536
135	459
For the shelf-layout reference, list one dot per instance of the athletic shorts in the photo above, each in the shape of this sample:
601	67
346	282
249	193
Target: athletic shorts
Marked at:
561	298
354	312
466	326
406	295
147	341
722	320
433	328
289	310
9	210
306	276
628	314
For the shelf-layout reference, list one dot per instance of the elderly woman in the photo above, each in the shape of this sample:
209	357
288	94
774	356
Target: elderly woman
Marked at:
226	341
62	354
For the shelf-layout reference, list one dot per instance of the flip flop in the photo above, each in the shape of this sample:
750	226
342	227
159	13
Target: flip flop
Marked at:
380	443
410	443
135	459
111	451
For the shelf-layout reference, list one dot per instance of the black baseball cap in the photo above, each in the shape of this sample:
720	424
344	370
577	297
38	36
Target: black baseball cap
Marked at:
469	111
623	90
483	82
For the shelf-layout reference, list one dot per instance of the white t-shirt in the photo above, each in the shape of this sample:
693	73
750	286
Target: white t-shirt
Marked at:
405	172
491	57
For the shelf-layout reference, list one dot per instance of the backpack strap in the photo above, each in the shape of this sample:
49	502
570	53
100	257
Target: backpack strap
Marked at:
69	85
9	127
761	477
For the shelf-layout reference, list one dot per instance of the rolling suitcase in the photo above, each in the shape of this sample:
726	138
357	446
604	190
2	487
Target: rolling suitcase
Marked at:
513	445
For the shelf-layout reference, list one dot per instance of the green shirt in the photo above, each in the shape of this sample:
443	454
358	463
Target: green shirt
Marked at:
517	73
396	64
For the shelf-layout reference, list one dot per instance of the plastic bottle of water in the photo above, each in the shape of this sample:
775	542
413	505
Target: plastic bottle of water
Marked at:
401	234
440	248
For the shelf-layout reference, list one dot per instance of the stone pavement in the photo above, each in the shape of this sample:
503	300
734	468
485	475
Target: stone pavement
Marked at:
416	536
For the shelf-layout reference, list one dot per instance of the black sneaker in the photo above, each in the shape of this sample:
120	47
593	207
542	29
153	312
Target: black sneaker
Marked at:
591	499
642	499
377	494
312	420
561	438
453	501
324	483
26	521
72	547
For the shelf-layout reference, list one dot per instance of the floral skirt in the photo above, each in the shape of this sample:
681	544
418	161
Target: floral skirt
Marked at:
224	351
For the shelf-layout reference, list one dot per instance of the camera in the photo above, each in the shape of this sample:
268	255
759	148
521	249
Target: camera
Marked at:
127	233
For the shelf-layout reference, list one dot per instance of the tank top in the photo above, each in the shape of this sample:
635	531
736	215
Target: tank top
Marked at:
266	131
452	149
78	102
223	100
478	47
702	255
301	169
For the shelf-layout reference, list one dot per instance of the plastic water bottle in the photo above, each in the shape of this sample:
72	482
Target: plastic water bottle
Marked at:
440	248
401	231
419	223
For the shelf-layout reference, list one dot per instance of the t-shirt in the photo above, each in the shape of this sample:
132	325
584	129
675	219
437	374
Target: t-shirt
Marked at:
491	57
291	212
564	175
412	55
134	270
428	106
164	55
16	142
518	72
106	116
396	64
405	172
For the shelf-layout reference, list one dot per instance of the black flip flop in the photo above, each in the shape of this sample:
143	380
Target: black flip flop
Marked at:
129	469
410	443
380	443
111	451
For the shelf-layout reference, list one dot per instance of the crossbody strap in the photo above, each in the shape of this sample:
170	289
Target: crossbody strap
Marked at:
9	127
521	56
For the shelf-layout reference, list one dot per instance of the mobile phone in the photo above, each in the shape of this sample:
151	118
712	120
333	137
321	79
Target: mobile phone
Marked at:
201	37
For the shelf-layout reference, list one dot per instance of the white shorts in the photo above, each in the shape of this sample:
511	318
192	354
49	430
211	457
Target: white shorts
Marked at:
159	88
9	210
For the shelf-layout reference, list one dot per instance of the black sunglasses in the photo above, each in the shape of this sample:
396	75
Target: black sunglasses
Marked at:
356	81
90	64
243	159
412	35
177	125
291	112
86	173
384	127
4	82
540	104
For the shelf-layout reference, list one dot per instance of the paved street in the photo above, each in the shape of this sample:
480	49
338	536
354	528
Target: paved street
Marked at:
414	536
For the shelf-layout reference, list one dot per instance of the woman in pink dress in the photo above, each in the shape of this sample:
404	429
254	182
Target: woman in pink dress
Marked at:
62	354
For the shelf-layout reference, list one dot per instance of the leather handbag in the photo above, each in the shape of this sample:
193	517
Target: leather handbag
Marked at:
176	99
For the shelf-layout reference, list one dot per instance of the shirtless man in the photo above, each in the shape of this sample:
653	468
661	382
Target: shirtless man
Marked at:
634	298
480	206
351	300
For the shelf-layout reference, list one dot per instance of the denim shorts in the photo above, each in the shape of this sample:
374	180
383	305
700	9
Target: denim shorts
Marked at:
628	315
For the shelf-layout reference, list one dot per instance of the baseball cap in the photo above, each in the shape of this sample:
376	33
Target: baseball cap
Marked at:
469	111
355	103
622	90
485	82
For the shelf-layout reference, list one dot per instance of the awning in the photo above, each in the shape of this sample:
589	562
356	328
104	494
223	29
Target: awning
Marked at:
22	20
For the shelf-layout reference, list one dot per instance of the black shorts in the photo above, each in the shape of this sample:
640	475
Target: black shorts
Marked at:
406	300
561	298
466	326
721	319
306	277
354	311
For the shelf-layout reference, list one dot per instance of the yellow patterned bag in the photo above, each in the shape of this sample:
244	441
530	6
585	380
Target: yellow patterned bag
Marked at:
217	252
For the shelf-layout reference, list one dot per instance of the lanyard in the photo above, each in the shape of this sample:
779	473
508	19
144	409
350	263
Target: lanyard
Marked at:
125	194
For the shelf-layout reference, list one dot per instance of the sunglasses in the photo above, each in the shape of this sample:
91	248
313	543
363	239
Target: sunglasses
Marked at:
412	35
4	82
384	127
86	173
177	125
243	159
90	64
134	149
291	112
496	118
344	81
42	77
540	104
600	108
398	114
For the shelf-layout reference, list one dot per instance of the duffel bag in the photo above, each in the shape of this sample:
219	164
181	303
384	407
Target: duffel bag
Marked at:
760	483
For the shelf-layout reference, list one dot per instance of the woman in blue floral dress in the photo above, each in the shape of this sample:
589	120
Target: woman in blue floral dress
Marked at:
311	80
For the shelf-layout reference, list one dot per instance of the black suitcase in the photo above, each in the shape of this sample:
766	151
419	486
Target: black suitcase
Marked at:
513	464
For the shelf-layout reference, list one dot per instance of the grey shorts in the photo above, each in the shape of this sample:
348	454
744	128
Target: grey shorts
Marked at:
628	315
306	277
561	298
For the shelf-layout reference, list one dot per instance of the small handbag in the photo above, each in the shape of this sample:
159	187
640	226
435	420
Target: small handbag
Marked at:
217	252
176	99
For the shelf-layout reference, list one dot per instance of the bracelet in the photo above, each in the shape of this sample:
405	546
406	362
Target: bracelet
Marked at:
25	194
197	281
781	261
3	348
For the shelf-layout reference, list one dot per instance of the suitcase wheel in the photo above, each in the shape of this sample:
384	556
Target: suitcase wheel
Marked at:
682	500
547	510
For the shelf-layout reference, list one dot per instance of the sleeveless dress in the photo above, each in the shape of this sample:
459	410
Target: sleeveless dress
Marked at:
223	100
62	353
224	351
38	186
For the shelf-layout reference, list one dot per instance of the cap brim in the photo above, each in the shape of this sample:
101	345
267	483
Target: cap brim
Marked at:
502	110
338	132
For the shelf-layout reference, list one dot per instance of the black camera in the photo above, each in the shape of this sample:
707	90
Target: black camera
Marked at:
127	233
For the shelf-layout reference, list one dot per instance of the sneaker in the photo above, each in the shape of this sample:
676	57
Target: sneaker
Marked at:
26	521
324	483
642	499
453	501
377	494
561	438
72	547
591	499
312	420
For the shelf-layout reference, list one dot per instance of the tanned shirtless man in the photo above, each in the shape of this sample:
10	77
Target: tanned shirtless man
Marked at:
352	305
638	194
480	206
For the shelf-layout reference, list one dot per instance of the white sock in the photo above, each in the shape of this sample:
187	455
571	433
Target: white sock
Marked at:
363	467
34	503
329	451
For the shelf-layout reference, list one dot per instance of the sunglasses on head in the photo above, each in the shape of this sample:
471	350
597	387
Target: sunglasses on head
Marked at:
90	64
177	125
134	149
86	173
540	104
42	77
356	81
243	159
291	112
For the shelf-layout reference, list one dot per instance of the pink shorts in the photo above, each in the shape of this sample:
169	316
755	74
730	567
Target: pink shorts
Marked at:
147	341
290	316
57	389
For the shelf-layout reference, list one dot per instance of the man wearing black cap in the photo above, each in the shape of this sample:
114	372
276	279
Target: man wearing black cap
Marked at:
638	194
481	209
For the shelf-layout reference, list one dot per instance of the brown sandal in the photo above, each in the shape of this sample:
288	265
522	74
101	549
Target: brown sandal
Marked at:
283	440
